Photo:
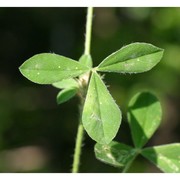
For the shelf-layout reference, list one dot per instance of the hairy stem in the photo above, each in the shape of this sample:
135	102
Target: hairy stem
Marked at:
88	30
78	146
80	132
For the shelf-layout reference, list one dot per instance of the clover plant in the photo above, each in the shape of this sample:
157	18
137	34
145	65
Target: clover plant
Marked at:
100	116
144	117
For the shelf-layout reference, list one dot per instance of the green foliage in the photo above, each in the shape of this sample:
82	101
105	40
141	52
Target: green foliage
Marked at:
115	154
144	111
133	58
86	60
66	83
101	116
70	89
49	68
166	157
144	116
66	94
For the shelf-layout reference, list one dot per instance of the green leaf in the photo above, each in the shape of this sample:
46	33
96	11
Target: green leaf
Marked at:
101	116
86	60
66	83
115	154
165	157
144	117
65	95
133	58
48	68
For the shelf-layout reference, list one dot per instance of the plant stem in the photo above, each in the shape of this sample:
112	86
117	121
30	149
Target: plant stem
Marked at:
80	132
128	165
88	30
78	146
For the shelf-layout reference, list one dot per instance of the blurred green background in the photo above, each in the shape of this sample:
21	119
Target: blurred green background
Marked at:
36	135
